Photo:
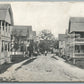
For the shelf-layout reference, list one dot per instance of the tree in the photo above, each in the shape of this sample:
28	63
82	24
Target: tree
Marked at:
46	35
56	44
46	40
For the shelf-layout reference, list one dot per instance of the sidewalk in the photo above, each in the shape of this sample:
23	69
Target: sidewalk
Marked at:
9	74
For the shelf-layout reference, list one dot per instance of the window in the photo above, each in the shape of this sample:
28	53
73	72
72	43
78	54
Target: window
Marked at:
6	27
0	25
8	47
5	47
2	47
11	37
3	25
9	27
82	35
77	49
22	48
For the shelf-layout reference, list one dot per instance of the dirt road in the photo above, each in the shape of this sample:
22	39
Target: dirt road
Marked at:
46	68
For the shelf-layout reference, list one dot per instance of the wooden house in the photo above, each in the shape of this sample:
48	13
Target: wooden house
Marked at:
75	36
6	23
62	41
21	35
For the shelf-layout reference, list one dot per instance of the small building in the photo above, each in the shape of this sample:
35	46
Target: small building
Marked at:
62	43
34	36
21	35
6	23
75	44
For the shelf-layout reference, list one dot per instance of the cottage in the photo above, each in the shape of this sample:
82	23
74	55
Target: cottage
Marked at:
21	35
75	38
62	41
34	35
6	23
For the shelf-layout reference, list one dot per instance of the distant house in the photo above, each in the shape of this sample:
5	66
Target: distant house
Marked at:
34	35
62	43
75	37
6	23
22	35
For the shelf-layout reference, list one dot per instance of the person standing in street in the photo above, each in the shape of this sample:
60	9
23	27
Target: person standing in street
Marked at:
45	52
30	49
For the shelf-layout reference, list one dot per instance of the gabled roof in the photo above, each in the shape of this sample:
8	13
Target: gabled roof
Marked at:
61	37
76	24
6	13
77	19
22	30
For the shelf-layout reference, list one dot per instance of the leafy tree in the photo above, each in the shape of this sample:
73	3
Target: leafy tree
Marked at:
46	40
56	44
46	35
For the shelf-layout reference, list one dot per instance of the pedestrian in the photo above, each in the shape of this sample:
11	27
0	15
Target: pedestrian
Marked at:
45	52
30	49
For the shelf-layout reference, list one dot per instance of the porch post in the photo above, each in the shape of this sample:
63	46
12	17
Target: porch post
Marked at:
4	25
74	61
1	26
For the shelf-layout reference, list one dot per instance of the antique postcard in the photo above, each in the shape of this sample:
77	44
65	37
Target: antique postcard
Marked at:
41	41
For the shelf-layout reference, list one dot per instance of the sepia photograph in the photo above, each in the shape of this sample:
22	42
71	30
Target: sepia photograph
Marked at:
41	41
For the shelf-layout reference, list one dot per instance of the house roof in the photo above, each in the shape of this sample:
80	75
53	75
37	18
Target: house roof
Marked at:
22	30
6	13
77	19
76	24
61	37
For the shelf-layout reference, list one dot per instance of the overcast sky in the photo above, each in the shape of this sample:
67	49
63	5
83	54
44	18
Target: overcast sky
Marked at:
46	15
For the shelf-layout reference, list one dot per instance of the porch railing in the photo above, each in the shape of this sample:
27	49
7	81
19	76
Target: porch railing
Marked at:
79	39
79	54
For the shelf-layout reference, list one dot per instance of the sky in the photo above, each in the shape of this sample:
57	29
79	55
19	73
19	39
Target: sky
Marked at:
53	16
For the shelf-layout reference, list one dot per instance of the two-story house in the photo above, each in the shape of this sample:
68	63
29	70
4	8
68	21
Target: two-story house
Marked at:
6	23
75	38
21	35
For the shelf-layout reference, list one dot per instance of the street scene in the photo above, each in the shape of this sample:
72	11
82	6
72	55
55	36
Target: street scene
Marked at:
43	69
41	42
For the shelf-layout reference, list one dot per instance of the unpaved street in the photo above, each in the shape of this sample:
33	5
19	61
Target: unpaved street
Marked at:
46	68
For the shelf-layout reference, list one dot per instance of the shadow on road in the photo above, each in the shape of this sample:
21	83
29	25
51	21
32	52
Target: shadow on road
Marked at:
54	57
14	60
4	67
27	62
80	64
